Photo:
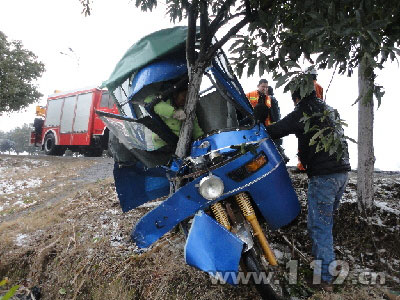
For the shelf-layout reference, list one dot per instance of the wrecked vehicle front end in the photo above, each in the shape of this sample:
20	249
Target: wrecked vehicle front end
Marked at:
233	178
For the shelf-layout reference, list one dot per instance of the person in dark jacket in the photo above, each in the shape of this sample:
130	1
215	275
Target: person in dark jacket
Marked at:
327	174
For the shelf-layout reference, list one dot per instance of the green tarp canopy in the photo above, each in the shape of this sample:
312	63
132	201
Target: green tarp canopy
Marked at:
146	50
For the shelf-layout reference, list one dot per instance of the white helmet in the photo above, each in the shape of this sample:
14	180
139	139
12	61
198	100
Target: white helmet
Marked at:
311	71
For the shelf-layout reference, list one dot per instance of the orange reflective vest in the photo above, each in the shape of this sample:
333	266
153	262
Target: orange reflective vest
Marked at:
319	90
253	98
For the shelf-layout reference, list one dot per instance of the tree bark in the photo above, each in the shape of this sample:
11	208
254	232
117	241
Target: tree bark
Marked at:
366	159
196	66
185	135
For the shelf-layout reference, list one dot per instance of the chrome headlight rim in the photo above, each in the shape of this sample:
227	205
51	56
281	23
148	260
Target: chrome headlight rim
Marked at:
206	180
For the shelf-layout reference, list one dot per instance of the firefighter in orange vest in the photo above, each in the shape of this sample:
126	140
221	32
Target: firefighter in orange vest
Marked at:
318	89
266	108
261	96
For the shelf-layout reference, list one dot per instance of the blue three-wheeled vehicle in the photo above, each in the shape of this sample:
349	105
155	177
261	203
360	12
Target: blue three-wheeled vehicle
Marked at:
234	179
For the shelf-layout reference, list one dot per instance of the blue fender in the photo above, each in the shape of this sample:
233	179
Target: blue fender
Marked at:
211	248
270	187
157	222
136	185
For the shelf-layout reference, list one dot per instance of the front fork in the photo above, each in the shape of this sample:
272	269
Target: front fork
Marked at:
243	201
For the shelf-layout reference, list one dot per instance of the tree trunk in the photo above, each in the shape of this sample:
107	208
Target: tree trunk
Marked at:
366	159
185	135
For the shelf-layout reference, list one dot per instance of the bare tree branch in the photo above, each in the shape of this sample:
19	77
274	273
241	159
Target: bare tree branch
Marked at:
215	24
191	34
204	26
210	53
241	14
249	16
185	4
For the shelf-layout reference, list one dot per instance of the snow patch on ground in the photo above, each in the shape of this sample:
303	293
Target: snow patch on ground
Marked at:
9	186
23	204
384	206
151	204
350	197
21	239
116	239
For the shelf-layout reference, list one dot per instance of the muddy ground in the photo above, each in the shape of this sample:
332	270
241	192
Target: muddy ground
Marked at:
63	236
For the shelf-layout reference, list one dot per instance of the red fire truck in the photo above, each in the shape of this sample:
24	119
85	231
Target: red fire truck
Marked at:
69	122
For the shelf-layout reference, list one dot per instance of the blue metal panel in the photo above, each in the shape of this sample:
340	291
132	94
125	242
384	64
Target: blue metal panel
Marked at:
238	96
224	140
136	185
212	248
157	72
276	198
184	203
273	194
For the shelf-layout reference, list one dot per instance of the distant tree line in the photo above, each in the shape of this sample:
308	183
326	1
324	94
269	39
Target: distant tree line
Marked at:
17	140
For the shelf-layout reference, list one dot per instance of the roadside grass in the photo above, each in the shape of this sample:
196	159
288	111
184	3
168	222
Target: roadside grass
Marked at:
29	182
79	248
353	293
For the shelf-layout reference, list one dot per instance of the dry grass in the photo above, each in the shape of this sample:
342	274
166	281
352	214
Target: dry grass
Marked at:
73	250
352	293
79	248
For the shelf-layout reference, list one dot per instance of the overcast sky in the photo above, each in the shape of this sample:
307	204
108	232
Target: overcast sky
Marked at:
48	27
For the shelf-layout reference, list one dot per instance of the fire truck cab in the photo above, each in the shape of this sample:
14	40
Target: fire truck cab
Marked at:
70	122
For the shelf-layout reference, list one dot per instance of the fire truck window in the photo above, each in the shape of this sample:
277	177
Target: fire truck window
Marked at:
83	110
67	116
106	101
110	102
53	112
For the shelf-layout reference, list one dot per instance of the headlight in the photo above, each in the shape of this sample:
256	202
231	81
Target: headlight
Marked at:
211	187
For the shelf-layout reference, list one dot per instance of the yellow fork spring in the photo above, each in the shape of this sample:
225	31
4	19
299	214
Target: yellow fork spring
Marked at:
243	200
220	215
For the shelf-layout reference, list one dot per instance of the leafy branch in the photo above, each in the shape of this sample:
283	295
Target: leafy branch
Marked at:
330	137
10	292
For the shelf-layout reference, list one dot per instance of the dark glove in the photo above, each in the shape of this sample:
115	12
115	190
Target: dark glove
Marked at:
261	112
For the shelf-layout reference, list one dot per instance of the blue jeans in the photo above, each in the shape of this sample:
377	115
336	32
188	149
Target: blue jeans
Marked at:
324	193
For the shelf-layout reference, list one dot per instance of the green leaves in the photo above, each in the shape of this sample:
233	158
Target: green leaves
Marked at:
317	135
146	5
340	32
327	131
251	67
11	292
19	69
296	80
378	92
374	36
4	282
